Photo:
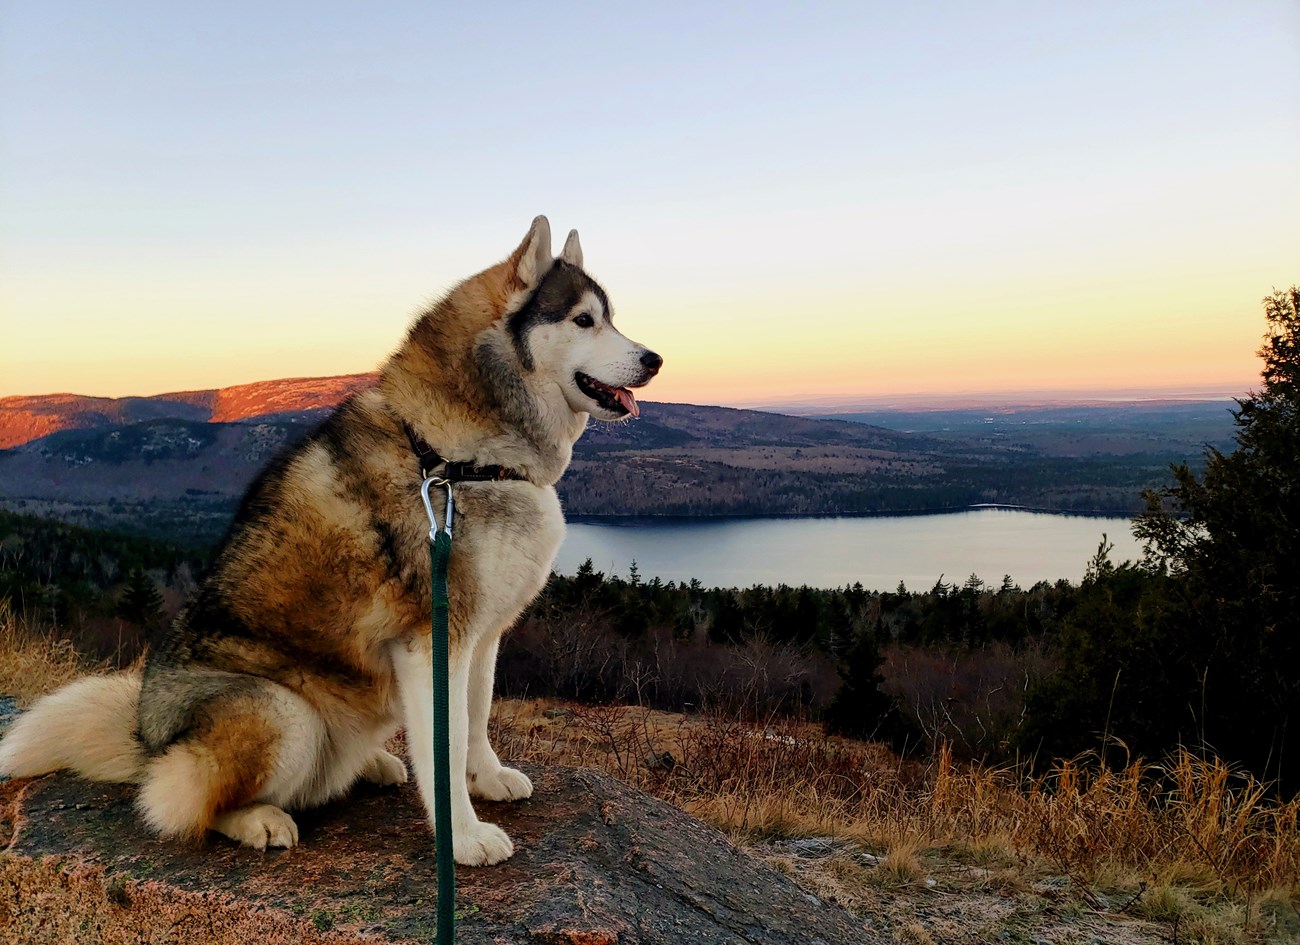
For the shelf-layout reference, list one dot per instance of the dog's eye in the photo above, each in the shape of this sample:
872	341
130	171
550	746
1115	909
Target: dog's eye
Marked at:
584	321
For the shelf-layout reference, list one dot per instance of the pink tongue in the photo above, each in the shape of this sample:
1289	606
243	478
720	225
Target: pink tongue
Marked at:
628	401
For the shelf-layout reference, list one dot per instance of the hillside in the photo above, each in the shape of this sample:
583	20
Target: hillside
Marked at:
175	464
27	418
182	476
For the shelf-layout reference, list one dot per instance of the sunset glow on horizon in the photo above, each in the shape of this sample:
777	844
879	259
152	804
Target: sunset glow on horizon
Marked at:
829	202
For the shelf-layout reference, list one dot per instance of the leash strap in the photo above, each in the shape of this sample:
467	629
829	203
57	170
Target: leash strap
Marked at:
438	472
439	560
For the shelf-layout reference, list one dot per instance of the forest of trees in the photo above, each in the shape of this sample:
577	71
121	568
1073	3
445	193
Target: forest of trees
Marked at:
1198	645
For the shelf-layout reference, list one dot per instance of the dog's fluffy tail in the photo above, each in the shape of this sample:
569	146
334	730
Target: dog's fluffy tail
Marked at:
87	727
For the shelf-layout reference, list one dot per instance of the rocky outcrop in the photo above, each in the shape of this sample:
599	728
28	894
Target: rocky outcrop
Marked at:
596	863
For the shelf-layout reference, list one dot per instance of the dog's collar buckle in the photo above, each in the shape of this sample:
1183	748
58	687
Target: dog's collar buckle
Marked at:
432	465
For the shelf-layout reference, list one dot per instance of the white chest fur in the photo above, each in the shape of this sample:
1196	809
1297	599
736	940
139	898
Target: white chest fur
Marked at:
506	538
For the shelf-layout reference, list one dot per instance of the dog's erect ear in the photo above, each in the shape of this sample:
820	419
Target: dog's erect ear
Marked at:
572	253
532	260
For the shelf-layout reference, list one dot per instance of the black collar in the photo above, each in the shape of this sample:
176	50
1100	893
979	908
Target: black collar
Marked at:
431	463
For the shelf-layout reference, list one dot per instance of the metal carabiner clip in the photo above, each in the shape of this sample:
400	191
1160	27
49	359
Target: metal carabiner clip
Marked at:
428	505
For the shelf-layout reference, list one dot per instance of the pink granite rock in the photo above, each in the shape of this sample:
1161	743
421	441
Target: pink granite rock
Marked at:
596	863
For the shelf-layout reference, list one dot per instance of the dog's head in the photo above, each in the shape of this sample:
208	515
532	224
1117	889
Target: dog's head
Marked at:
561	327
507	367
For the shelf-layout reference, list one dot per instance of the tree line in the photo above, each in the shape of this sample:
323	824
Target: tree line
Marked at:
713	487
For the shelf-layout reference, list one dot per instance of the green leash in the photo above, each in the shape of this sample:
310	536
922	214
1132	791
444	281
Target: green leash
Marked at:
439	558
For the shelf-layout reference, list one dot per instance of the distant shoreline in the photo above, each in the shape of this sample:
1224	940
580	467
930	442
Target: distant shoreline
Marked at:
639	519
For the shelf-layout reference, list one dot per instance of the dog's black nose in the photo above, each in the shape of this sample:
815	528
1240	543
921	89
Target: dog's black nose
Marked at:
651	362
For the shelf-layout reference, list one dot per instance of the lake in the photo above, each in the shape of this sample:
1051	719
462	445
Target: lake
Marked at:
879	551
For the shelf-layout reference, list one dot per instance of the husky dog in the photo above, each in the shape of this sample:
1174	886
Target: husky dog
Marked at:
308	645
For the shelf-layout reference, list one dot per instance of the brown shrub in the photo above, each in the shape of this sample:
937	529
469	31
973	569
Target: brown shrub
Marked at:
970	699
31	663
784	778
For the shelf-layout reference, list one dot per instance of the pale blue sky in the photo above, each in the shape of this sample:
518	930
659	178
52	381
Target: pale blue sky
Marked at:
785	200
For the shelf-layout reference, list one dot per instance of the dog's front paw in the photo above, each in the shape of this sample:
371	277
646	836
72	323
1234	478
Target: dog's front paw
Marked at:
503	784
385	769
481	844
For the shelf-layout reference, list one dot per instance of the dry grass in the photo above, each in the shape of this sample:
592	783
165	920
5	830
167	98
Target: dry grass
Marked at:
901	864
914	933
32	664
1188	841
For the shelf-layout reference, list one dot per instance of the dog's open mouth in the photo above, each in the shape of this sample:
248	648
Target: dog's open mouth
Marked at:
617	400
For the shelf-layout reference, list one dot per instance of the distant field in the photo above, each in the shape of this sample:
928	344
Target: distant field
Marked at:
1127	429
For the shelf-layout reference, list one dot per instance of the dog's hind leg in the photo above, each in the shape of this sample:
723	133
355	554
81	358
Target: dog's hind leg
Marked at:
249	754
487	777
258	826
385	769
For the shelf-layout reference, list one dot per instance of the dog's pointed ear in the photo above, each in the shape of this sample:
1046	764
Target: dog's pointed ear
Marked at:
532	260
572	252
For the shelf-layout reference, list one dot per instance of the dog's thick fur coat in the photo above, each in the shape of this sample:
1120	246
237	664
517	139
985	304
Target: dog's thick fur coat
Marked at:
308	645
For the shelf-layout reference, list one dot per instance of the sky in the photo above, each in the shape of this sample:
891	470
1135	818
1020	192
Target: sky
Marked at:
787	201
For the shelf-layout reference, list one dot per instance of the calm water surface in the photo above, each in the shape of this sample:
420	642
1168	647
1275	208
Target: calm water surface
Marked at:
832	552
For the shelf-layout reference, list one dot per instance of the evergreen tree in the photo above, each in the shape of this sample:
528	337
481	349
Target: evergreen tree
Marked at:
140	602
1111	692
1230	542
588	581
728	623
861	709
1201	646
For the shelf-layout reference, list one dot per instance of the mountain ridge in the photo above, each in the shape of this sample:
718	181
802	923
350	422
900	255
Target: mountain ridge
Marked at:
175	465
28	417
